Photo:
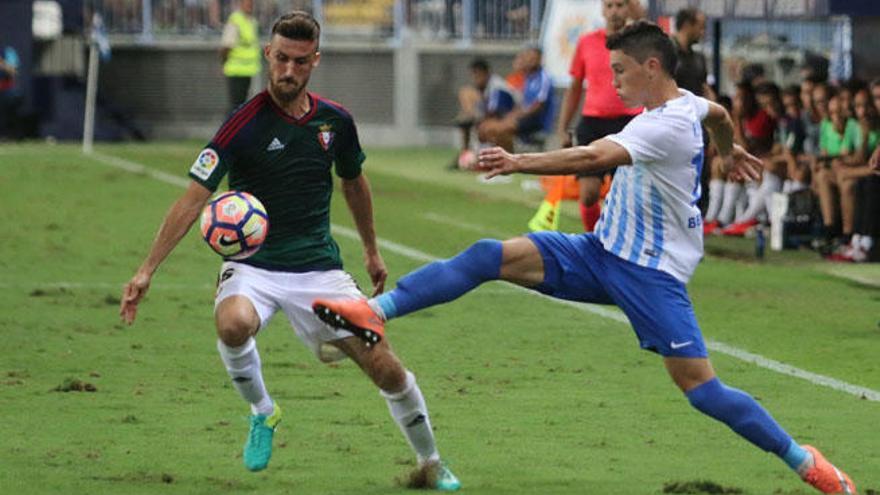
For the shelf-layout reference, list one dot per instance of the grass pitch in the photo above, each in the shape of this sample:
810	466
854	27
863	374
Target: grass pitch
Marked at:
526	395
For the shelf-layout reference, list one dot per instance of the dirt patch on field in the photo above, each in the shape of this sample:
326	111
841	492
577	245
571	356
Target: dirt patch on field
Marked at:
698	487
75	385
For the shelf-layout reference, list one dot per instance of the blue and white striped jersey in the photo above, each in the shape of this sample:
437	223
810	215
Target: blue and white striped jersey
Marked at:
650	216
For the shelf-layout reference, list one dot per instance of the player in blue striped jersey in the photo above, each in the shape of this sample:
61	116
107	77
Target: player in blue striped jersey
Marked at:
645	248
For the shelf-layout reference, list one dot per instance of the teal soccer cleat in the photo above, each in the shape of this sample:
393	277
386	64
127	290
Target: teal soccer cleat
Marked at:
258	449
446	481
432	475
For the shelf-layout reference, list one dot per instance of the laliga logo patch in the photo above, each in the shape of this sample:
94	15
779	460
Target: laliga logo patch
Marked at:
205	164
325	136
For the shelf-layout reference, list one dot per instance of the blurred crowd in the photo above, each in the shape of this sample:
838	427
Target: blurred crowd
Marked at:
815	139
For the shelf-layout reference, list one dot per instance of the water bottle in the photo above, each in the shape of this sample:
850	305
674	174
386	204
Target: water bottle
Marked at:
760	242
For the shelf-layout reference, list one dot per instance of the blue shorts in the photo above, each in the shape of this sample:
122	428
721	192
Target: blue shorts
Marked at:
578	268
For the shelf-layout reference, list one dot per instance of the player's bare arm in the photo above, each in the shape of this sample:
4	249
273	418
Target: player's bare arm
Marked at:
740	163
599	155
360	202
177	222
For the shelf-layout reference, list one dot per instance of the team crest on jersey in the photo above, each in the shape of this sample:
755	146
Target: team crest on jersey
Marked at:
325	136
205	164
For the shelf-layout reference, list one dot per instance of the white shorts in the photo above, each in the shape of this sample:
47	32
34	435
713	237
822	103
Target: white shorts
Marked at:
293	294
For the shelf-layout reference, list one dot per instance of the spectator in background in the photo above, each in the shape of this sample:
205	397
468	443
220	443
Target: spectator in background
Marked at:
487	97
758	120
754	128
857	184
838	135
10	97
792	137
534	117
875	94
603	112
810	117
240	52
517	77
691	74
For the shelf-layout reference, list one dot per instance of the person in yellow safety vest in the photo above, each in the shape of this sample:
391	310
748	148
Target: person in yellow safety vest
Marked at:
240	52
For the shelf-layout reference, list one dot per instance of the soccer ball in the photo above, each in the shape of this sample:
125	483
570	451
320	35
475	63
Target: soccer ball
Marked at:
235	224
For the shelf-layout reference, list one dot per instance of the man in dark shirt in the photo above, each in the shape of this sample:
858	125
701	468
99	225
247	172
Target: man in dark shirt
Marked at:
690	28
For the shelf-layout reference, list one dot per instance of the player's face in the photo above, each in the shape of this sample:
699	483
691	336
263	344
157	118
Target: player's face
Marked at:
615	13
631	79
290	65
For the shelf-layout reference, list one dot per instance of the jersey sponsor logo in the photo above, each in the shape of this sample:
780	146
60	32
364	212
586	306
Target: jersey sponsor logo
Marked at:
275	145
205	164
325	136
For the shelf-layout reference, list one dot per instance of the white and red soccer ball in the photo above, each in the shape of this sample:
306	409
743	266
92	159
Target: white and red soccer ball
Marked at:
235	224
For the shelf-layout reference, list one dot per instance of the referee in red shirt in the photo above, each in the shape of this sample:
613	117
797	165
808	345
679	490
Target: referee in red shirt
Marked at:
603	112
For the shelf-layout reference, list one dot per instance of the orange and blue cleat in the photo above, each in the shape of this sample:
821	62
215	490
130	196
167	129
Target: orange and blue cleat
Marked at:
354	315
826	478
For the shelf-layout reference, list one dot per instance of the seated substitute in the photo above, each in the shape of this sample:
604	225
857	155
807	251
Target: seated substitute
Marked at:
645	247
534	118
489	97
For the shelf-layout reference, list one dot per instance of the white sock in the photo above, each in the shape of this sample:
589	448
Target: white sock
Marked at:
409	411
732	191
759	201
243	365
742	205
787	185
771	184
377	308
716	194
866	242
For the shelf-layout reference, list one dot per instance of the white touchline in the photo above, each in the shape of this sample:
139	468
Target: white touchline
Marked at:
603	311
472	227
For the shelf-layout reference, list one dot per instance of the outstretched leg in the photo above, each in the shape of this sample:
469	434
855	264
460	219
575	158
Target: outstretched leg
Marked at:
742	413
516	260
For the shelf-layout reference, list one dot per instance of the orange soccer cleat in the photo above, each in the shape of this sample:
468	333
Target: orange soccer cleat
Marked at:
354	315
739	229
826	478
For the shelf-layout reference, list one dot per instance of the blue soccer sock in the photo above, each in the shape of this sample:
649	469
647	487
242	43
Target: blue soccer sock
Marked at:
442	281
746	417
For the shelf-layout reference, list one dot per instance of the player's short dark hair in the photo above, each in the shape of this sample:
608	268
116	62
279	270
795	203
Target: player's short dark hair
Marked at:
480	64
297	25
686	16
643	39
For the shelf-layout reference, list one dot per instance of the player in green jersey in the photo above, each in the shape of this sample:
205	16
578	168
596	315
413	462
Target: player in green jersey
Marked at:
281	146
